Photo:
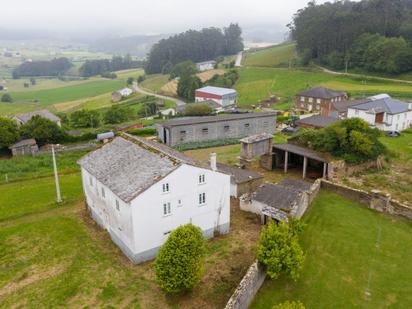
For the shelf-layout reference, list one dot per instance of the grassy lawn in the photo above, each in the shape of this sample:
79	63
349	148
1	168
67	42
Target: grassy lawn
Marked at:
155	82
256	84
270	57
344	242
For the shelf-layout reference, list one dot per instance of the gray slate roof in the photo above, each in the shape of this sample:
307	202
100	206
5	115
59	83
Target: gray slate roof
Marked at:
322	93
277	196
238	174
43	113
209	119
128	167
302	151
387	105
256	138
317	121
342	106
217	90
25	142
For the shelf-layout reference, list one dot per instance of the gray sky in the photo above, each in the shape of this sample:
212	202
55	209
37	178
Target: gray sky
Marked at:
143	16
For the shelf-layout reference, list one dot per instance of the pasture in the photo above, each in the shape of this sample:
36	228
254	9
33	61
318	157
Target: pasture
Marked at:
276	56
355	258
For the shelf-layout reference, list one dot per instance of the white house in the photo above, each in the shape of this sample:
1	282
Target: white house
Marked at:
140	191
384	113
206	65
125	92
223	96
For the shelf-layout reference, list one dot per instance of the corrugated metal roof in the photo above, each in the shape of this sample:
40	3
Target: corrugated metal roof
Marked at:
217	90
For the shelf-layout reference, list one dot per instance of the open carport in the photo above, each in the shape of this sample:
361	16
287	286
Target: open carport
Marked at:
312	163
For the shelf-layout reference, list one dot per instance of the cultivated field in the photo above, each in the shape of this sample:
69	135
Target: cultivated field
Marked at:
276	56
355	258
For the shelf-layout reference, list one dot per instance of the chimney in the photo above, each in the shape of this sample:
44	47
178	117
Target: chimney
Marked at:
213	164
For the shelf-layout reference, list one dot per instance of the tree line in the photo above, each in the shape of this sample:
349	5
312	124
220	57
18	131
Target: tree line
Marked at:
197	46
374	35
105	66
54	67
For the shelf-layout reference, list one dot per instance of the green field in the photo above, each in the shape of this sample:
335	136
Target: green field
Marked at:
155	82
256	84
276	56
346	243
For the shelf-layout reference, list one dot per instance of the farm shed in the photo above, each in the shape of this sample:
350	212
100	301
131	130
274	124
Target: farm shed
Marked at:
24	147
255	145
242	181
44	113
223	96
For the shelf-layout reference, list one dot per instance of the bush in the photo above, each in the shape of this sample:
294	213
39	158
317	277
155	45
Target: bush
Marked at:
7	98
109	75
142	132
179	265
116	114
197	109
279	250
289	305
9	133
207	144
85	119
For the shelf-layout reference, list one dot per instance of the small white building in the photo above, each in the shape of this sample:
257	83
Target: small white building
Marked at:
223	96
206	65
125	92
140	191
384	113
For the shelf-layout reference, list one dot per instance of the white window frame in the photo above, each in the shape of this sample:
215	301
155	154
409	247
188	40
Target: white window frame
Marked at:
166	187
167	209
302	99
179	202
202	199
202	179
310	100
318	101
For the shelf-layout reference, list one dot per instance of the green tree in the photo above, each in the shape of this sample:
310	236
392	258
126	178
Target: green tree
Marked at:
130	80
197	109
6	98
289	305
179	265
43	130
33	81
141	78
185	68
9	132
85	119
279	250
116	114
187	86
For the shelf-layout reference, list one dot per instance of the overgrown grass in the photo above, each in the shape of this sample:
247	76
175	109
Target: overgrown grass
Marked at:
207	144
346	246
276	56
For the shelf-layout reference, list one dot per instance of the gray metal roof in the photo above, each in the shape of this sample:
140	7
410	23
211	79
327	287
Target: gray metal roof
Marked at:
256	138
42	113
209	119
239	175
206	62
322	93
302	151
318	121
385	104
127	167
217	90
22	143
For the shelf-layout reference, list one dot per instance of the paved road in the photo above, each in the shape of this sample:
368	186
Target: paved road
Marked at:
238	62
365	76
139	89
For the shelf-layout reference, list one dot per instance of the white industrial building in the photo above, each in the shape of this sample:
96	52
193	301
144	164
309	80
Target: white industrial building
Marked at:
140	191
384	113
223	96
206	65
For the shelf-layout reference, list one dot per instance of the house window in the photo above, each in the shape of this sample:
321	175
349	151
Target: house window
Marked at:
166	188
226	128
265	124
202	179
202	198
167	210
310	100
91	181
318	101
103	193
182	135
205	131
302	99
117	205
179	202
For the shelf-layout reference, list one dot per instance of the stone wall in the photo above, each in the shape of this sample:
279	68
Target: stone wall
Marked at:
339	169
306	200
375	199
247	288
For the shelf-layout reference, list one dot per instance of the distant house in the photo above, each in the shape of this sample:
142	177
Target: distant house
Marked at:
140	191
200	129
206	65
316	122
122	93
339	109
223	96
384	113
313	99
23	118
24	147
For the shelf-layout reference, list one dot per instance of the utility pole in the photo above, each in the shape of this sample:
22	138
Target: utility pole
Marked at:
56	177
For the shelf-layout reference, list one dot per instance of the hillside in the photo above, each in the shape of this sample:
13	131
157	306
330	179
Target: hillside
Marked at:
277	56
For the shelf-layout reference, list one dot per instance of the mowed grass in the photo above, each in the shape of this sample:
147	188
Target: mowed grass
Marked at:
346	245
256	84
279	55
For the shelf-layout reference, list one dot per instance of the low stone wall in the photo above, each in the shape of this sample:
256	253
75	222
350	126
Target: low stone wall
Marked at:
375	199
247	288
339	169
306	200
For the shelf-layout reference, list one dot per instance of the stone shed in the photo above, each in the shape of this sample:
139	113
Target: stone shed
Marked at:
24	147
255	145
242	181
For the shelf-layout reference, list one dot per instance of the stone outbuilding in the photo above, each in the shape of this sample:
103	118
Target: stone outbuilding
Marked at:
24	147
44	113
255	145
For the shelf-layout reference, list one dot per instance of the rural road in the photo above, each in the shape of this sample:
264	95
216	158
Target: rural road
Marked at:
365	76
238	62
139	89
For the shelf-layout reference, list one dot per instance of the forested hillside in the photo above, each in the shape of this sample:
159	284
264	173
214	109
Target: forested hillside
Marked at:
197	46
373	35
